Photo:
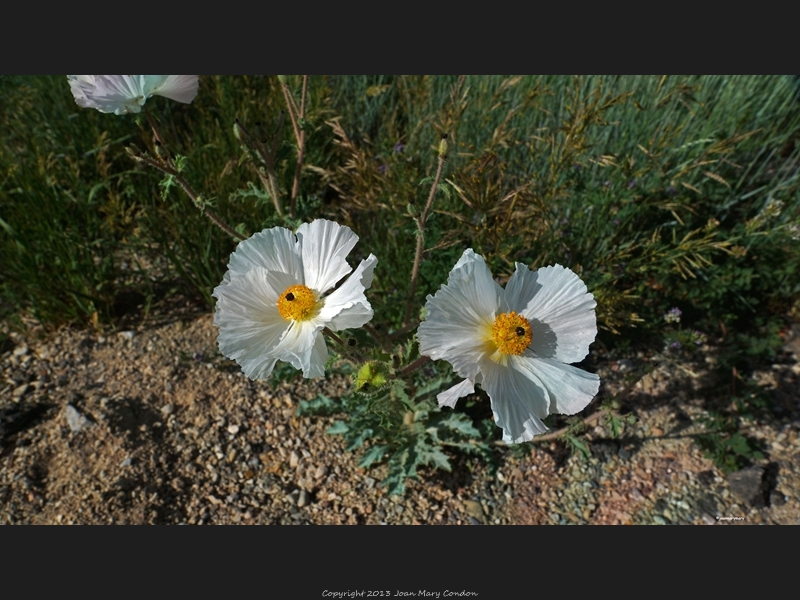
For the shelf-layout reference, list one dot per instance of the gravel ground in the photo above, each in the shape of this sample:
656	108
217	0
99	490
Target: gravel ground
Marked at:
155	426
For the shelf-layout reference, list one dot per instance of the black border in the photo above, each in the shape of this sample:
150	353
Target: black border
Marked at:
302	562
503	37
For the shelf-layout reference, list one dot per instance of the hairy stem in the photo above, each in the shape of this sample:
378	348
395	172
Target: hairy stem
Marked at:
415	365
334	337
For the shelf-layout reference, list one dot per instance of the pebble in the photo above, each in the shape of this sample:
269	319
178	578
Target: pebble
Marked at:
294	459
19	392
76	420
128	335
233	429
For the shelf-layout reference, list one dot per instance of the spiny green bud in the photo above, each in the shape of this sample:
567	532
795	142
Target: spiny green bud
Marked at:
237	131
411	209
371	377
443	146
132	150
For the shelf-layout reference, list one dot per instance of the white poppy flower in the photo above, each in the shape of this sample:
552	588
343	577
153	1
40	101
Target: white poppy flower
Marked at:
123	94
272	303
514	342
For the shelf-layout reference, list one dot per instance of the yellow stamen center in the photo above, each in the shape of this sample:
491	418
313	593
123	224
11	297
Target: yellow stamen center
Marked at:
298	303
511	333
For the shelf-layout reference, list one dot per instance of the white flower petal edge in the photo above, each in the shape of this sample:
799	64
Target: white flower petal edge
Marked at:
347	307
325	246
561	301
519	402
275	249
450	396
570	388
123	94
181	88
248	320
457	313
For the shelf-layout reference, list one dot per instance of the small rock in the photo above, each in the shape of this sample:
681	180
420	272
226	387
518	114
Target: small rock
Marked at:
474	509
747	485
128	335
76	420
233	429
126	462
167	409
19	392
321	472
302	499
20	351
294	459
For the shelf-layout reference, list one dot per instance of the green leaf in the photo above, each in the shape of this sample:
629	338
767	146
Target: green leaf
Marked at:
374	454
321	405
338	427
358	441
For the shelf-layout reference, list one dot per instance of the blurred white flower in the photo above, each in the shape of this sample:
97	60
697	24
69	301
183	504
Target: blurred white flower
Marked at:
271	304
123	94
514	342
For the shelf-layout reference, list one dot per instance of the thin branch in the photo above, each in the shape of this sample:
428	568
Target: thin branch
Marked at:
420	239
187	188
301	149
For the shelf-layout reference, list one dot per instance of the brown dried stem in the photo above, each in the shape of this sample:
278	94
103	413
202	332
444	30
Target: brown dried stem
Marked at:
421	240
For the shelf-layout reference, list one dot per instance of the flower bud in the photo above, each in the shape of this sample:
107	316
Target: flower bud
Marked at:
443	146
371	377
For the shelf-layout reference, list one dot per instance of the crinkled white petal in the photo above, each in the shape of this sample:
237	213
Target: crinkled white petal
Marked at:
324	247
561	301
250	326
570	388
181	88
275	249
450	396
304	347
460	316
519	402
123	94
80	85
347	307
